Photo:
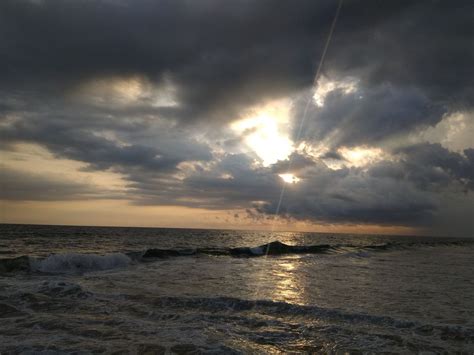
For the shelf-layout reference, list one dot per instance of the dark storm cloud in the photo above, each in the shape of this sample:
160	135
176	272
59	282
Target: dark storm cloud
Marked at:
216	53
427	44
226	55
412	61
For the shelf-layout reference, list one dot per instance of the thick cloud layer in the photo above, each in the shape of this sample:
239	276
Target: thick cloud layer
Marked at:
150	90
21	186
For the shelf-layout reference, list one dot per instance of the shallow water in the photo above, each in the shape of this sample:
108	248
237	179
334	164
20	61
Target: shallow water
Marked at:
87	289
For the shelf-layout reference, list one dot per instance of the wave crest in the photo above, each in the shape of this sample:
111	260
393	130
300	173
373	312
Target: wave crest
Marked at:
279	248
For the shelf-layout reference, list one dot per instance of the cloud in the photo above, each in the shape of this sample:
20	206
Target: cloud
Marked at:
454	132
23	186
368	115
216	65
232	182
67	135
420	44
247	52
430	164
407	191
150	89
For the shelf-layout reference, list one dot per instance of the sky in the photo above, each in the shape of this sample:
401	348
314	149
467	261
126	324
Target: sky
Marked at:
190	114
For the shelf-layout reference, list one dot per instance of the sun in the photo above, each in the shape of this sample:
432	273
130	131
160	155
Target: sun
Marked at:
265	130
289	178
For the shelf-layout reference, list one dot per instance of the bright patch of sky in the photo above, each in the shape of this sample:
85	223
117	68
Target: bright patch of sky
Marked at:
265	130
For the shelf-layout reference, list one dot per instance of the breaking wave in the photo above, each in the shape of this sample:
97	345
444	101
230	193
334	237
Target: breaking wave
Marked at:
65	263
79	263
73	263
279	248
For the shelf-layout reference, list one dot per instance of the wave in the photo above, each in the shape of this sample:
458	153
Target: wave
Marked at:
232	304
69	263
79	263
223	305
73	263
273	248
279	248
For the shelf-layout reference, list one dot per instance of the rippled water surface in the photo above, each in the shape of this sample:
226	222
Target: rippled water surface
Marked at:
138	290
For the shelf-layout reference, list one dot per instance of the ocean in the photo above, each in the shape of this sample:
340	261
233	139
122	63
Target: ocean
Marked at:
182	291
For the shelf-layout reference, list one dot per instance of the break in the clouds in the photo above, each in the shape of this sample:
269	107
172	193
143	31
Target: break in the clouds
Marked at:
199	104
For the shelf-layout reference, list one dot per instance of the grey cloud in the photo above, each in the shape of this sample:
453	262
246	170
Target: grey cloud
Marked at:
408	191
432	164
244	49
413	61
368	115
425	44
102	153
22	186
295	164
224	56
352	195
357	199
231	183
324	195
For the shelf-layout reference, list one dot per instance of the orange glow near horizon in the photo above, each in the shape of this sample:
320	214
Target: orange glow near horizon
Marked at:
121	213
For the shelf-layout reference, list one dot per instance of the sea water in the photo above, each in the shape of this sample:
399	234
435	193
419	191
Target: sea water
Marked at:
151	290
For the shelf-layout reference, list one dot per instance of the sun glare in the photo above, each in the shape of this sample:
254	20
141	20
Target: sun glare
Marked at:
265	130
289	178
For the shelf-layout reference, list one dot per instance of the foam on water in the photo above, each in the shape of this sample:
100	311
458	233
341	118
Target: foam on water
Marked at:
79	263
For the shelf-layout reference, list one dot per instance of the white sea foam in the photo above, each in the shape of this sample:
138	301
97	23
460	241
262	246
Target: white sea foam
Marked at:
79	263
